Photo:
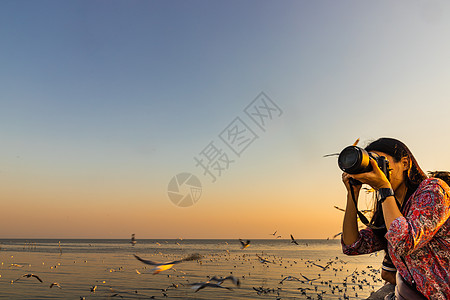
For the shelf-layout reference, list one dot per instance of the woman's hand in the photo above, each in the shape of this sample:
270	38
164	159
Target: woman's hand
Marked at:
375	178
346	180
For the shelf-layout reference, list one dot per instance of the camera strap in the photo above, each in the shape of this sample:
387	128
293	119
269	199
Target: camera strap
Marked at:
361	216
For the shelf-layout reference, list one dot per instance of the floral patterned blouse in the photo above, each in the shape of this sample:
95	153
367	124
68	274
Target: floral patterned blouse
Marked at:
421	237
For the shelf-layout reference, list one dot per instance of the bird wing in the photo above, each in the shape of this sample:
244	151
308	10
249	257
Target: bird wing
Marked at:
319	266
338	208
332	154
147	262
37	277
233	279
336	235
198	286
305	277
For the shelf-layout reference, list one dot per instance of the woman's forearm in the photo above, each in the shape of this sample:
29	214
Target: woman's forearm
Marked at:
390	211
350	232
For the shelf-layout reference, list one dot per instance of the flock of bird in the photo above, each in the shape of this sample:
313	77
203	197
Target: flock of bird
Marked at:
309	279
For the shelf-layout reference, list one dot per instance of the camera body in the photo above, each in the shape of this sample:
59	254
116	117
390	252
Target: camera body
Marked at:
356	160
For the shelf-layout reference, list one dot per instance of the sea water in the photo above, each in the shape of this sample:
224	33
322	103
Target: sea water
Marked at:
104	269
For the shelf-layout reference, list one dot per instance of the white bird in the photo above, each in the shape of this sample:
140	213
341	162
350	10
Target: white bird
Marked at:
159	267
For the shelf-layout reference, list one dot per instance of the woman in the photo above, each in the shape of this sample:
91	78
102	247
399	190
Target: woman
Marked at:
415	210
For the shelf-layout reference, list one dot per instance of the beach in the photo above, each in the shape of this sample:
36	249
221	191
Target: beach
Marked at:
103	269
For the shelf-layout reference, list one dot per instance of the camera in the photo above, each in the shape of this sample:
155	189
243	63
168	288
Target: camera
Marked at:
355	160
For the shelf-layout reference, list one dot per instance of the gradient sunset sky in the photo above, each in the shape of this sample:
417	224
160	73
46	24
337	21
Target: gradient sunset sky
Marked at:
103	102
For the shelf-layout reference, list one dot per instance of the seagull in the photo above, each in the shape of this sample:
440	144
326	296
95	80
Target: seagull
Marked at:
244	244
201	285
231	278
264	260
323	268
27	276
293	240
274	233
55	284
289	278
159	267
307	279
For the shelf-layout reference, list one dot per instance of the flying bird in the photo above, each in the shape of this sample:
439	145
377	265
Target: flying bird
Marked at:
55	284
293	240
289	278
159	267
264	260
323	268
201	285
307	279
28	276
244	244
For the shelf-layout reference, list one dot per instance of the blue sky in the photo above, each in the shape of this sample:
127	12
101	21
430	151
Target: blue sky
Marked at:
102	102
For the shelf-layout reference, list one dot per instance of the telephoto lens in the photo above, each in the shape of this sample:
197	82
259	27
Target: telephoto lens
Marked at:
354	160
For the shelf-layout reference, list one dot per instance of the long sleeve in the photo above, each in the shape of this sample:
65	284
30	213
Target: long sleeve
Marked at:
367	242
430	209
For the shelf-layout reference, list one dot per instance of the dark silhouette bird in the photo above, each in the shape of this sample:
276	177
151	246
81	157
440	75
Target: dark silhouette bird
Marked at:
28	276
293	240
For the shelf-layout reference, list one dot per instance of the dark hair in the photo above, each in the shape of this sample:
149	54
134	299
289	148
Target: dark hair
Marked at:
413	176
443	175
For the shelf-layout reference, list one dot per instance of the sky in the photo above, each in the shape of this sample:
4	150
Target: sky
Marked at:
103	103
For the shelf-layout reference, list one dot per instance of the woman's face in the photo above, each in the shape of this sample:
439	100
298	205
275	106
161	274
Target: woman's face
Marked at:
396	169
